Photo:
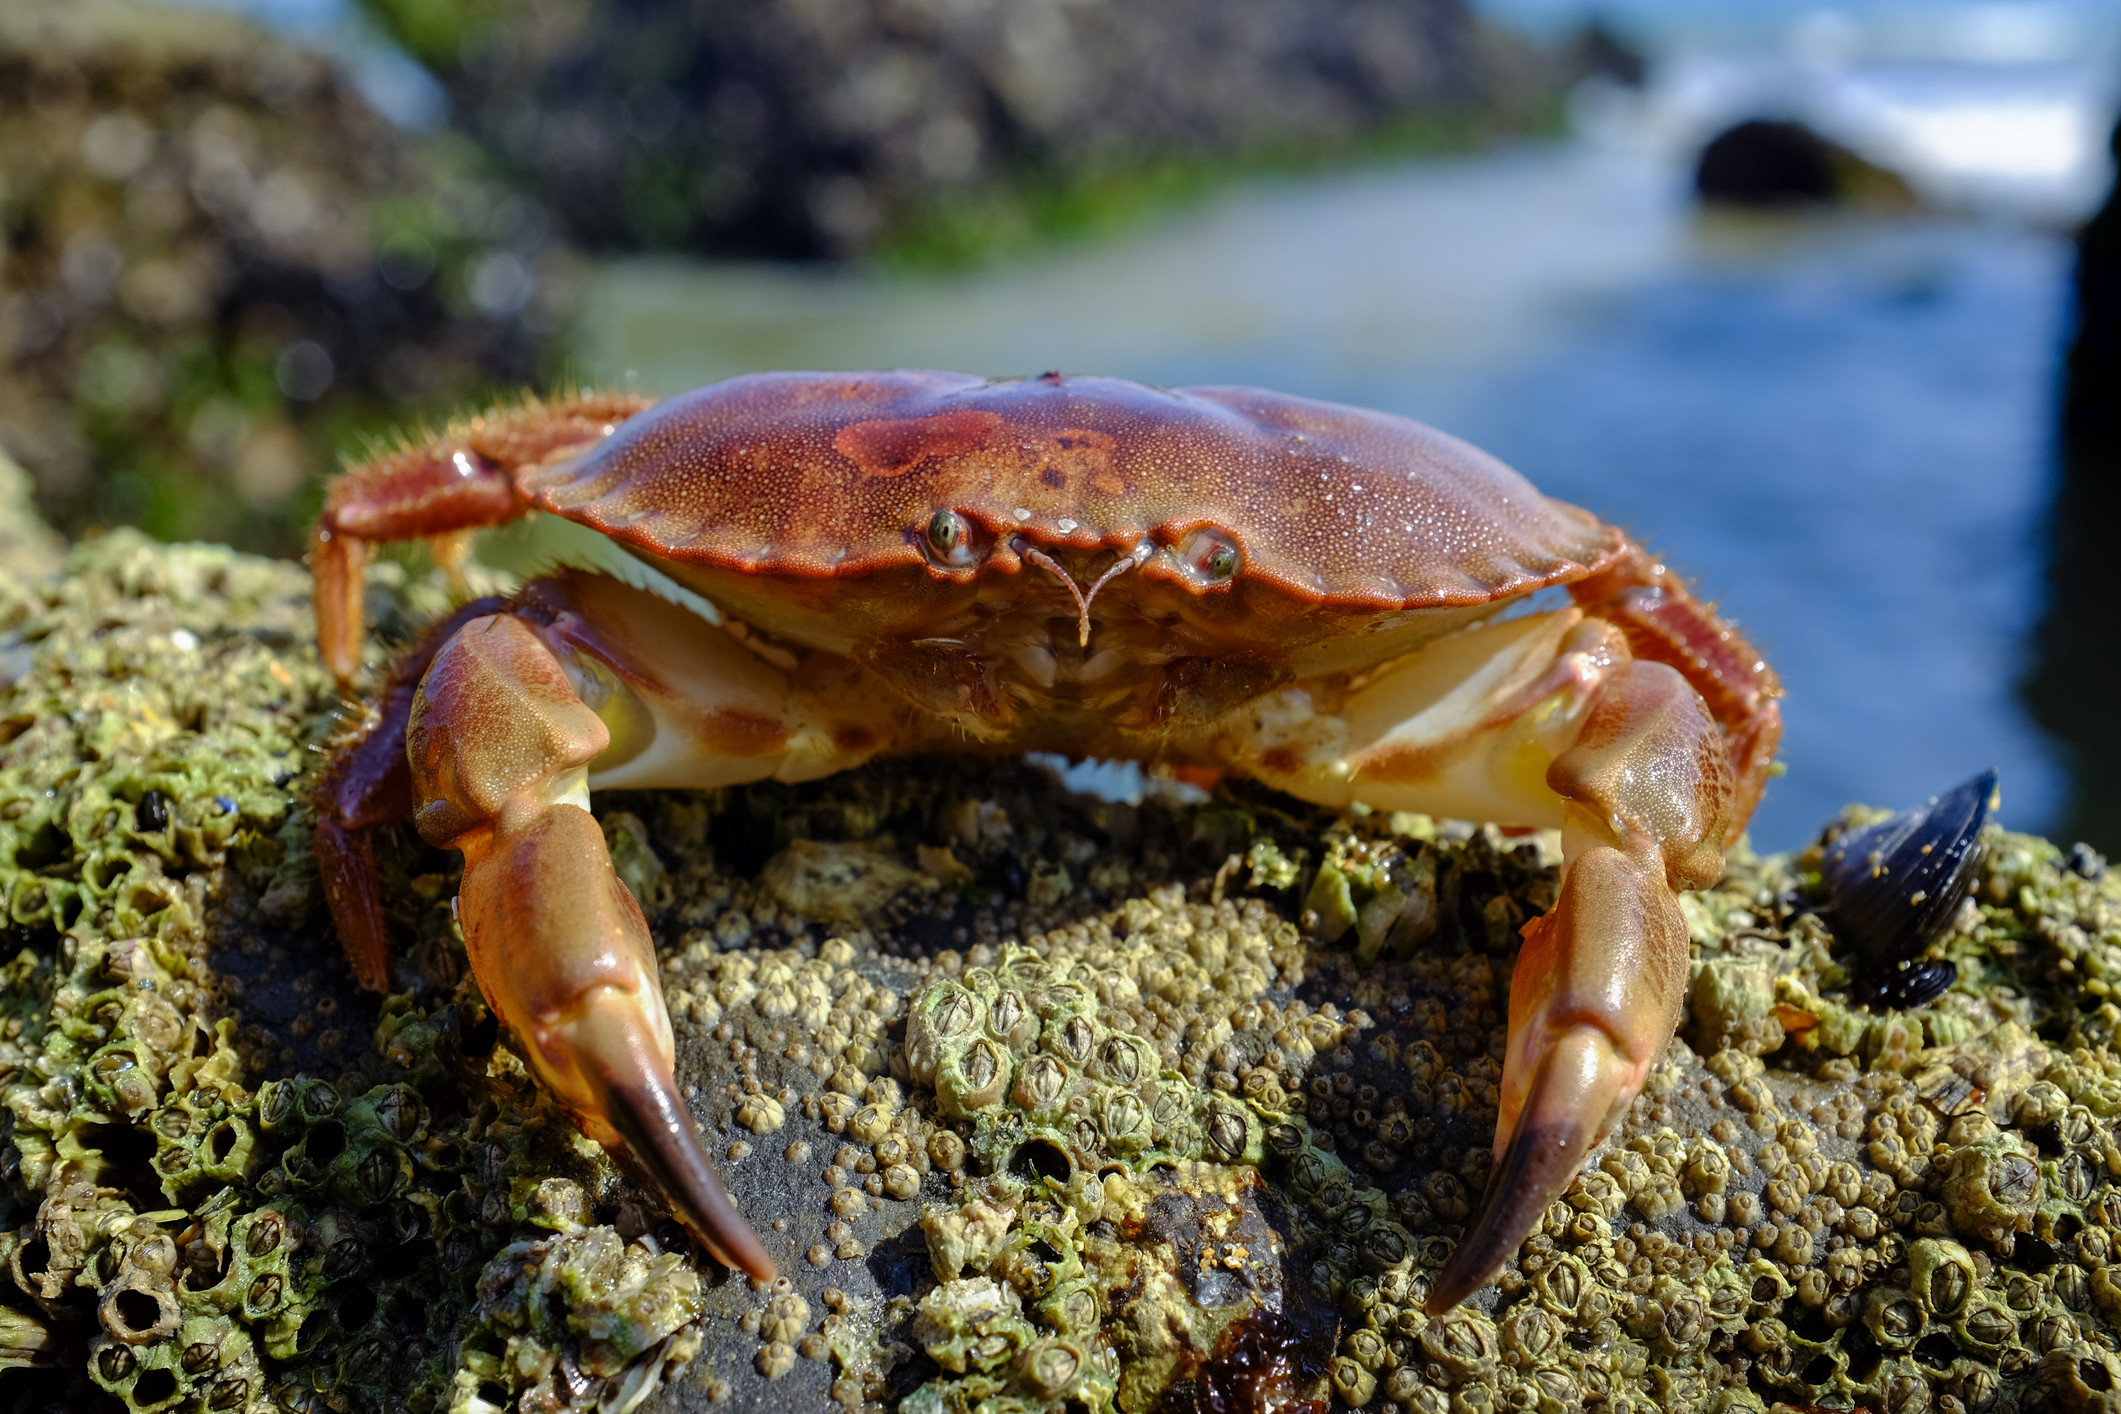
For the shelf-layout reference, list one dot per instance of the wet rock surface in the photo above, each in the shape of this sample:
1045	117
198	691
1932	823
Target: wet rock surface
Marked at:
218	267
1165	1105
789	129
1767	164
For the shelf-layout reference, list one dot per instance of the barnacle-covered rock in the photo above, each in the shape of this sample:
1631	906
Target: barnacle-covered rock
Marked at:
580	1309
975	1323
1045	1083
176	1230
1825	1203
220	259
1142	1138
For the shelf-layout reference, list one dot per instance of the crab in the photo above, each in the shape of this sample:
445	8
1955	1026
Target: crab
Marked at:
785	575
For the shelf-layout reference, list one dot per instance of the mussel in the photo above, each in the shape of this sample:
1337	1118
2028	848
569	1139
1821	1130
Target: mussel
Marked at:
1895	886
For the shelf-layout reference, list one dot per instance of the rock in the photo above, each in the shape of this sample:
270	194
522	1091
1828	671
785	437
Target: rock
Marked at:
1114	1144
28	547
1778	163
226	1178
216	264
834	883
793	129
2076	674
2091	420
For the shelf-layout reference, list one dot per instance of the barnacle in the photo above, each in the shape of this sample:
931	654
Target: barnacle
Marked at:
1895	1209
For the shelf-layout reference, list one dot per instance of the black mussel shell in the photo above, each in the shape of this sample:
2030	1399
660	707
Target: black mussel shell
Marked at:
1907	984
1895	885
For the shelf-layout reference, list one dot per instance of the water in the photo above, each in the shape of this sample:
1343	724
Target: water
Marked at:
1845	442
1839	428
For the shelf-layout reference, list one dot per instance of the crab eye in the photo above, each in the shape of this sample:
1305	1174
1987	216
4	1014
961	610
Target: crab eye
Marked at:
949	538
1212	556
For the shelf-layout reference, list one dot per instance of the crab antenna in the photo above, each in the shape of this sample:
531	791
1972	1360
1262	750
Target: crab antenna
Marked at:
1082	601
1119	567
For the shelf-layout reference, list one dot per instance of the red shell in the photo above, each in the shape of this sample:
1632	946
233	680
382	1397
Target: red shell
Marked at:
838	474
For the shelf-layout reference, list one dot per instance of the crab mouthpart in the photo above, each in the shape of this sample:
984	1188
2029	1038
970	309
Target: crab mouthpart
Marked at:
1082	601
637	1099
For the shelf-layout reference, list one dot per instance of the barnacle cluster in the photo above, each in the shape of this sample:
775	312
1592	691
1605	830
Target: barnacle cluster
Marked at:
1091	1115
1813	1204
1181	1171
403	1224
1075	1092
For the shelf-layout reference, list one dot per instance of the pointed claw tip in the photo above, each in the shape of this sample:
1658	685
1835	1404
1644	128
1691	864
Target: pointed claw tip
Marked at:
1540	1163
660	1135
1452	1287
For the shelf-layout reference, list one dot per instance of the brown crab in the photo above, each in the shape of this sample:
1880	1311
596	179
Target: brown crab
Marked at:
788	574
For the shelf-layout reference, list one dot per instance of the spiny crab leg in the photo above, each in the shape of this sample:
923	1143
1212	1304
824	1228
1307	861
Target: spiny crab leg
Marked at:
500	744
440	490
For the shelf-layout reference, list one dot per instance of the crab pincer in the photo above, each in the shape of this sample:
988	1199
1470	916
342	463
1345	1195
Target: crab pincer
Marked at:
499	744
1599	979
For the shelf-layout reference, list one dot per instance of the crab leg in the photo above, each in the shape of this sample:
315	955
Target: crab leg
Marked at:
515	713
1662	621
1598	983
366	787
454	483
1541	720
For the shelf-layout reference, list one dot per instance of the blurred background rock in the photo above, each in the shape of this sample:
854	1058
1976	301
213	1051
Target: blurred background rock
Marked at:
1778	163
2075	680
938	130
221	268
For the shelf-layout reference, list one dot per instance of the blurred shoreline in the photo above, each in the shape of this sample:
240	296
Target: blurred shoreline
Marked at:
1840	422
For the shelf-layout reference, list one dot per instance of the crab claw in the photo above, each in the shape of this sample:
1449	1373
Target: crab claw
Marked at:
498	745
1594	998
1577	1087
611	1043
563	954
